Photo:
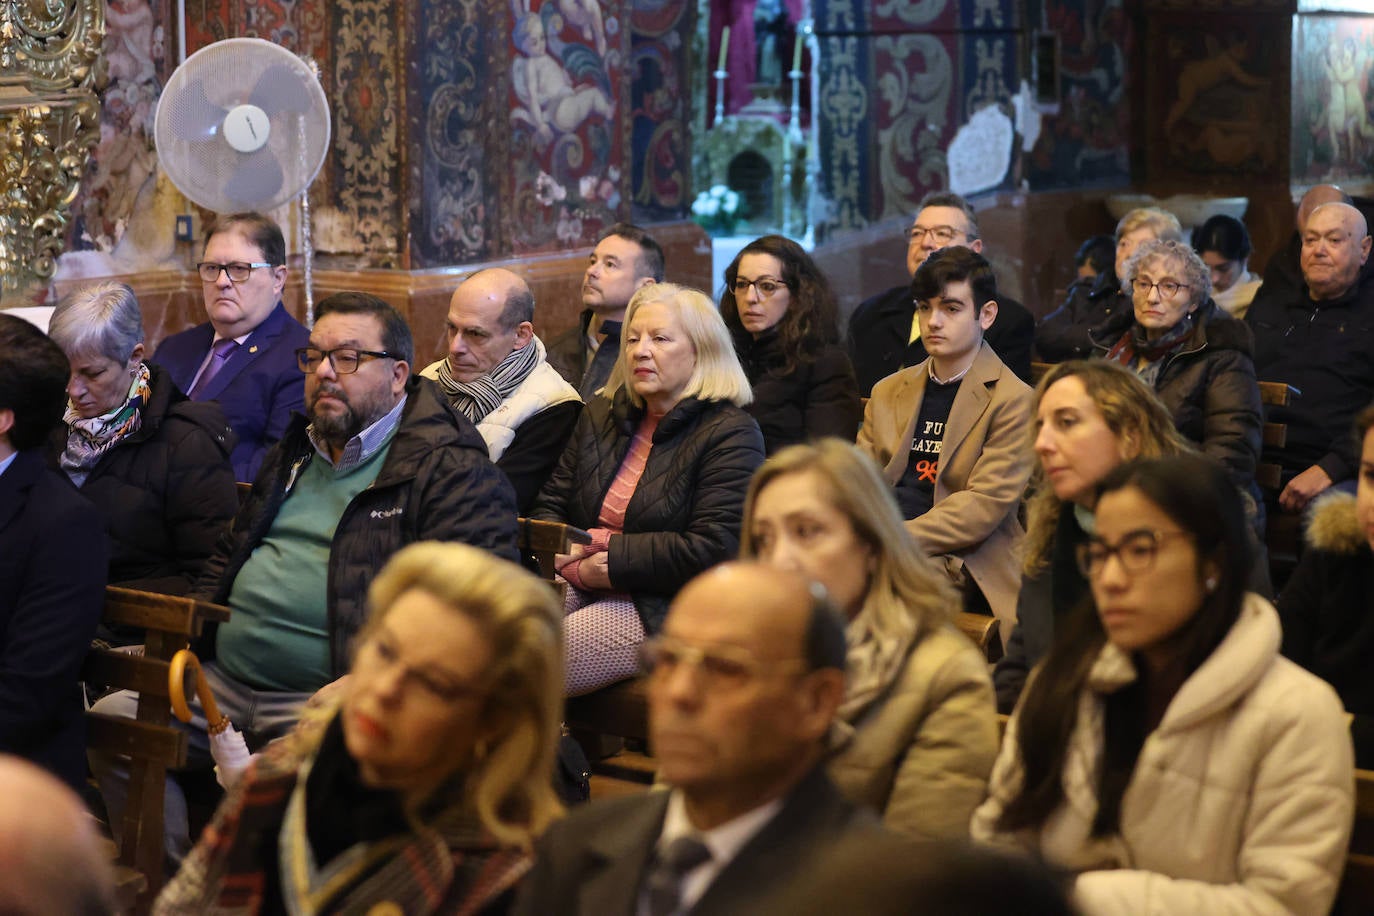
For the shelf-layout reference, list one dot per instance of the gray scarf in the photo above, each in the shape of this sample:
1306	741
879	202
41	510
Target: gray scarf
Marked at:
480	397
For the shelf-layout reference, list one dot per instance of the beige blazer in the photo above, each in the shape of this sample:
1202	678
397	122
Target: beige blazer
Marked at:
985	461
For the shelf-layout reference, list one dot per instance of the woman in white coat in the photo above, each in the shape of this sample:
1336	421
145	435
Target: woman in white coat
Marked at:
1174	761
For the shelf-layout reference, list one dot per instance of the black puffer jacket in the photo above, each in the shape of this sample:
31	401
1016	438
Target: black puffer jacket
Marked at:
436	484
819	398
1068	332
1208	384
685	513
1327	609
167	491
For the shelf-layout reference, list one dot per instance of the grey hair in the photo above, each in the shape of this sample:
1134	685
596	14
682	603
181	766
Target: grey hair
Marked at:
103	320
1195	273
1161	222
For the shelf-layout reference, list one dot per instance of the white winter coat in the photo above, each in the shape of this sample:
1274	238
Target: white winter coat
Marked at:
1241	800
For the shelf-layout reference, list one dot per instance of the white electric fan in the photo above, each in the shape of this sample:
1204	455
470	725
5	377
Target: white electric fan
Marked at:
243	124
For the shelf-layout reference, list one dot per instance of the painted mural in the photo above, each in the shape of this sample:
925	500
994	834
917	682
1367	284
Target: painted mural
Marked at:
898	78
1221	77
564	101
495	129
1085	142
1333	68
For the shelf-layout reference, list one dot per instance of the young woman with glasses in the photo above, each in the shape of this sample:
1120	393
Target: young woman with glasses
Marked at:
783	318
1165	752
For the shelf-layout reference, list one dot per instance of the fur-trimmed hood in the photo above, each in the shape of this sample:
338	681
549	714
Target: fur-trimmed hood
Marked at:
1334	526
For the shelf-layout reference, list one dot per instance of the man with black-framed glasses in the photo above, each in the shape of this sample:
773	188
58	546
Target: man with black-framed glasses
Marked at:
380	460
244	356
884	335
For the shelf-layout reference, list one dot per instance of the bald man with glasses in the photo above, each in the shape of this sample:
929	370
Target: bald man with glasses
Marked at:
744	684
244	356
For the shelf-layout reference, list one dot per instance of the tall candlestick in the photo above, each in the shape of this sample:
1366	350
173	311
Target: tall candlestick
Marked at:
724	47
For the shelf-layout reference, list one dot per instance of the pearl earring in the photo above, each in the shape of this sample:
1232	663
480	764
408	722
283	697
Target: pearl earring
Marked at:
1211	585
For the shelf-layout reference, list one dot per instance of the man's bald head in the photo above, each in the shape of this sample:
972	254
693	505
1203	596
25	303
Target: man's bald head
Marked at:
490	315
1335	246
1316	196
747	680
50	855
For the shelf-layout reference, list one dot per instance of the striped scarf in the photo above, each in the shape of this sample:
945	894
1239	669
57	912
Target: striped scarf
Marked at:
484	394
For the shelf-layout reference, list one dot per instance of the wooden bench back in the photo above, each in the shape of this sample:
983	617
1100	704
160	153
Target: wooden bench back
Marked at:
149	741
1357	884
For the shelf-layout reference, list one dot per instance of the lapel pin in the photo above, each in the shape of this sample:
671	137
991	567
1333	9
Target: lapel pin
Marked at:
253	349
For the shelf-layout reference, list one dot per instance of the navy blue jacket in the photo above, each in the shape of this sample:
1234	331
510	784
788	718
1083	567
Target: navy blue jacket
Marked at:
53	558
258	388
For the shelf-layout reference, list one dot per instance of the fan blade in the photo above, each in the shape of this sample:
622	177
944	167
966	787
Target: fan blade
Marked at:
192	116
257	177
281	88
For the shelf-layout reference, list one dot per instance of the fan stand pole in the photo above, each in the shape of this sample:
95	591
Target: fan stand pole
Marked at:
307	242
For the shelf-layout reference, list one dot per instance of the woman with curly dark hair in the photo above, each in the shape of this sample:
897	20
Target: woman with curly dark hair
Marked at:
782	315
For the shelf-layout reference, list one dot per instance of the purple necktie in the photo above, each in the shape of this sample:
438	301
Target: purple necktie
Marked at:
218	357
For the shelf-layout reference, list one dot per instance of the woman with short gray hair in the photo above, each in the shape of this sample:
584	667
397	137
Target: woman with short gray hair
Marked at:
155	463
1194	355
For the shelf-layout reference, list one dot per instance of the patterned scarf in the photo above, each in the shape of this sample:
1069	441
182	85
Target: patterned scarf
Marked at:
1143	356
480	397
87	440
872	664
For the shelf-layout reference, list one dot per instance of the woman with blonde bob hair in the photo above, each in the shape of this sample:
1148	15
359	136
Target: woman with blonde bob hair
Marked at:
919	729
656	471
425	778
1090	417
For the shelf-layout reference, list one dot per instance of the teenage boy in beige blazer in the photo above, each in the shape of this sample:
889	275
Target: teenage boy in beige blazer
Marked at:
952	435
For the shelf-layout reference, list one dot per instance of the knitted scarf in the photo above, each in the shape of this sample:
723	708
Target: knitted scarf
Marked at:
872	664
484	394
1143	356
87	440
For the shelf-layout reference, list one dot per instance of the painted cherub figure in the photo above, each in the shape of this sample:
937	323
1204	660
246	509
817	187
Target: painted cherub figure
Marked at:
549	99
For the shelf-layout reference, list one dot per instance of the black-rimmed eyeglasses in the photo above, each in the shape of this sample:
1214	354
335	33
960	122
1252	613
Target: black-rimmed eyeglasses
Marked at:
1136	551
344	360
238	271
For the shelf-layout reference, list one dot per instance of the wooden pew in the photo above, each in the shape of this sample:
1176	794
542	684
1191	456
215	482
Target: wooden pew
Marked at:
982	629
1357	884
149	741
1282	530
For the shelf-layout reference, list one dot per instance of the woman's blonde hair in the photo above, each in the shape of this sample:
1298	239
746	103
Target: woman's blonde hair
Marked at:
907	595
1135	417
717	375
1161	222
510	781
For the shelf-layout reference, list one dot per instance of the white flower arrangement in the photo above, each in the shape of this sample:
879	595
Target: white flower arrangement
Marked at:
716	209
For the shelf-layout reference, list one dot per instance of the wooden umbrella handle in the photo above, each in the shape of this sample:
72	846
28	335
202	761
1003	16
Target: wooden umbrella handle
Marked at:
215	721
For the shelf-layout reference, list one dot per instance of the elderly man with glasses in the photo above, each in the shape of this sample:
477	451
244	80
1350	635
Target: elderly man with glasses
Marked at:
745	683
884	335
380	460
243	357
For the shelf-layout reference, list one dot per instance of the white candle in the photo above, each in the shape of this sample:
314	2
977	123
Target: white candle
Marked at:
796	52
724	47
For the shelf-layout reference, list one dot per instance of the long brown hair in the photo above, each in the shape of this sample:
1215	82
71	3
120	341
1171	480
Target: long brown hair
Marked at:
812	318
1195	493
1131	411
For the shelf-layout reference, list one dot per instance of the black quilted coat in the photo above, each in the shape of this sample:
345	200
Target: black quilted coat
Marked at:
685	513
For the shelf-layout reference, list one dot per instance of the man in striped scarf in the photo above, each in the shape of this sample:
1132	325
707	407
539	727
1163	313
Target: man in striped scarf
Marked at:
497	375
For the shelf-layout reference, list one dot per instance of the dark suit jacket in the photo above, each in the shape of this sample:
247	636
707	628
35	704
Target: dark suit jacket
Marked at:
53	561
594	862
258	387
880	337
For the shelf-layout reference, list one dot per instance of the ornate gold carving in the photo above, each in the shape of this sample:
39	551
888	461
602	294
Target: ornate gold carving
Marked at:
49	120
